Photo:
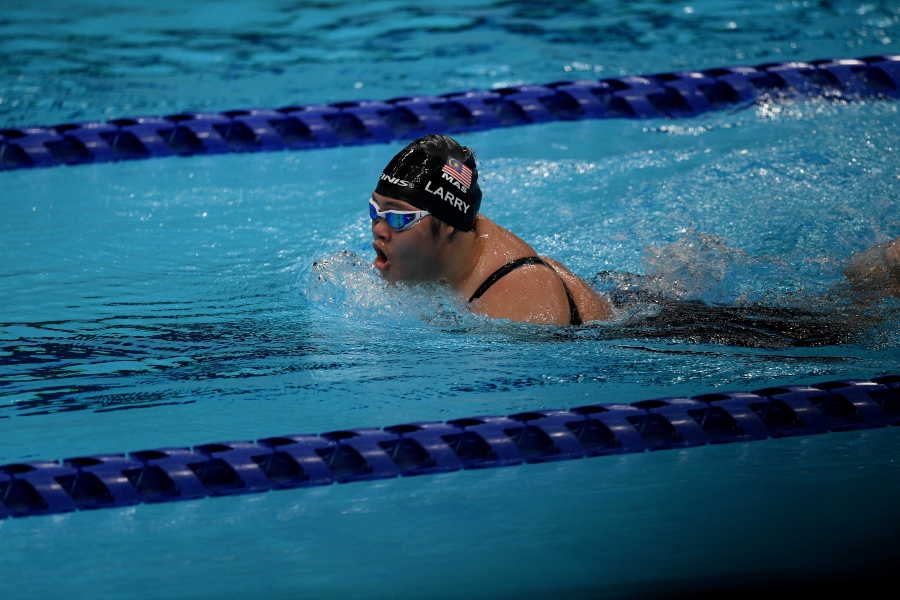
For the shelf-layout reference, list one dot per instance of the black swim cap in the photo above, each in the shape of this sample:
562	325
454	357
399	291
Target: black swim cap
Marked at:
436	174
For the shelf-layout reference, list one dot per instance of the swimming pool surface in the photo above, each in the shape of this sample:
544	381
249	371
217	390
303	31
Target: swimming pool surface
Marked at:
186	288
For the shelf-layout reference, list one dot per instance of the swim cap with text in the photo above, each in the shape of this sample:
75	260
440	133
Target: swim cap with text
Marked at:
436	174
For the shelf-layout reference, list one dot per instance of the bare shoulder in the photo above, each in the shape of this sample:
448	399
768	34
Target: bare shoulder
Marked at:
591	305
530	294
533	293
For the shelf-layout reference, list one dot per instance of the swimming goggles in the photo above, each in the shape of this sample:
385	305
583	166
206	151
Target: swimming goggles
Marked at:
398	220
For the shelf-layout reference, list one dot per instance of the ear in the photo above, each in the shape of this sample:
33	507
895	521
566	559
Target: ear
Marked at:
451	232
442	231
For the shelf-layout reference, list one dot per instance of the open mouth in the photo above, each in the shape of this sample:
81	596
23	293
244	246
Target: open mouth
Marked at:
381	260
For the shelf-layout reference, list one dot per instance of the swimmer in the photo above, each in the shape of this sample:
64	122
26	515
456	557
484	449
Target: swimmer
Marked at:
426	227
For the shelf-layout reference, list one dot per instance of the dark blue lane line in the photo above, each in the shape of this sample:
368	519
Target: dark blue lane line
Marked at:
294	461
666	95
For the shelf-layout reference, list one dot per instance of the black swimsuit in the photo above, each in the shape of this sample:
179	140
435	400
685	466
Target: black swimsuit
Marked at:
574	315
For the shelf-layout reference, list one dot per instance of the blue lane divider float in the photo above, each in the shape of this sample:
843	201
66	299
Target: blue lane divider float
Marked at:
294	461
665	95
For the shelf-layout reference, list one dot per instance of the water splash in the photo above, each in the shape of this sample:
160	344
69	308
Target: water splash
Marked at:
701	267
695	268
345	285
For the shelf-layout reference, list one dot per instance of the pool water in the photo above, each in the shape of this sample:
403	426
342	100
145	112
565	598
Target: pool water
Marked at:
231	297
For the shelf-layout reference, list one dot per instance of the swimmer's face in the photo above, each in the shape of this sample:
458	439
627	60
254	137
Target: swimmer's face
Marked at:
410	255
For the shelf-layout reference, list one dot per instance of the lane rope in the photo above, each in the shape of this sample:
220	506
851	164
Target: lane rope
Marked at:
295	461
299	127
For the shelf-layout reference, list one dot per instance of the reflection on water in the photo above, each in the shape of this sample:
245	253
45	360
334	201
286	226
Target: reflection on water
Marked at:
64	61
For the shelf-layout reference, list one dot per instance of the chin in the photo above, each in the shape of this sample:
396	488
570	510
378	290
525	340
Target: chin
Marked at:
387	275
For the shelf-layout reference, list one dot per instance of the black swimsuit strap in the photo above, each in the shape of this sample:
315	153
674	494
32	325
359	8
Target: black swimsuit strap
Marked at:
574	315
506	270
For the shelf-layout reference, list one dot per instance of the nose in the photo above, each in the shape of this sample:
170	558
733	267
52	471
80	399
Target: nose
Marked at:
380	230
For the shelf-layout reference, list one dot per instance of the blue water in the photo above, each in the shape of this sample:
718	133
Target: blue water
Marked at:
185	288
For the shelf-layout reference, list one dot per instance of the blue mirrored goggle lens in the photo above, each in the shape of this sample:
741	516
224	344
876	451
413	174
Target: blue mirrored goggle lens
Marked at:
400	222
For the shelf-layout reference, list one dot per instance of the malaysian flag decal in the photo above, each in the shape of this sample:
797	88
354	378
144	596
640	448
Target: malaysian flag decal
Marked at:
458	171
